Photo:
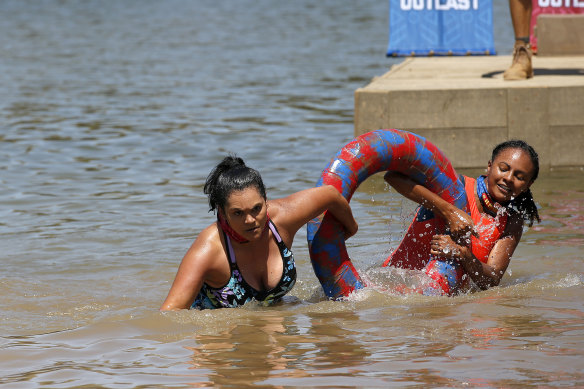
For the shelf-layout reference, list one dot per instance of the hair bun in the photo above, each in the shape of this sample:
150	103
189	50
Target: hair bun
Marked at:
229	175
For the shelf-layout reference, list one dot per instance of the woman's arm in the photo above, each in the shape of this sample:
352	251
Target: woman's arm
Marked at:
458	221
293	211
485	275
191	273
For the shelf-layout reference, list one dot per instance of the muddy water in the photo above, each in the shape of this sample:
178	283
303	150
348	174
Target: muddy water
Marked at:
111	116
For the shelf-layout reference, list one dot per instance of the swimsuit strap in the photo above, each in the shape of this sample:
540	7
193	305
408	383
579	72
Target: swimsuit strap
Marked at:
469	186
274	231
233	262
230	252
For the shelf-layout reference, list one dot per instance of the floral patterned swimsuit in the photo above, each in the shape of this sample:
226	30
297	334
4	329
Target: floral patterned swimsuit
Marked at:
237	291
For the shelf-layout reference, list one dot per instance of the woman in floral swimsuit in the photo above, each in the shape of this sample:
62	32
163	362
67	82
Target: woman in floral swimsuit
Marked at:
243	256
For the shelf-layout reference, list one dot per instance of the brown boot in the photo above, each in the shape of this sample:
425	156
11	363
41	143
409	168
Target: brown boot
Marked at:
521	68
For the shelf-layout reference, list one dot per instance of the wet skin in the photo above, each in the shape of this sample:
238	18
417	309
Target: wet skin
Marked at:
509	174
246	212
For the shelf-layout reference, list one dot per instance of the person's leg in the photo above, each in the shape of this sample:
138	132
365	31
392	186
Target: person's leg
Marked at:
521	18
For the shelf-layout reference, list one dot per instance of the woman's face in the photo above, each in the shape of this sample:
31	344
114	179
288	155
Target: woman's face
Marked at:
246	212
509	174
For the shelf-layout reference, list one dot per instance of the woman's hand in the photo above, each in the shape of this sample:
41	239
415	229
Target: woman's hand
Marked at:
443	246
460	225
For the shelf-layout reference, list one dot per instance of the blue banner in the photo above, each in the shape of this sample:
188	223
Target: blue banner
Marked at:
440	27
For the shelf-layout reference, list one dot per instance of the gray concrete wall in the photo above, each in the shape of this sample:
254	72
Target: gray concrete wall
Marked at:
462	105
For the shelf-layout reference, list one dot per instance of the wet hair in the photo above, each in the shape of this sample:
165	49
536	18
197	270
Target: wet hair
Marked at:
230	175
523	203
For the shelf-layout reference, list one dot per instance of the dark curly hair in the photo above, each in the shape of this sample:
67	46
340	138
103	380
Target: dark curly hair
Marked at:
230	175
524	203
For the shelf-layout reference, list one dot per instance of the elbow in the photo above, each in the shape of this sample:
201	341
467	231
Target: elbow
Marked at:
391	177
333	191
173	305
166	308
489	282
496	276
487	285
169	308
336	198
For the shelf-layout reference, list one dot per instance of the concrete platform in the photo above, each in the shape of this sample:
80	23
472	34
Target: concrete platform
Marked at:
463	105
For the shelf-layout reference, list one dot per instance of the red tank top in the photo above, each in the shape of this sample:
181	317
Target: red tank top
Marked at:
489	228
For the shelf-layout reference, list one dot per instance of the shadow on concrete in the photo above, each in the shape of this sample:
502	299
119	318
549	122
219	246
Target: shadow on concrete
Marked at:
542	72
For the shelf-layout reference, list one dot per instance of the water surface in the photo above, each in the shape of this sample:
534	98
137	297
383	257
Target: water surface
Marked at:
111	116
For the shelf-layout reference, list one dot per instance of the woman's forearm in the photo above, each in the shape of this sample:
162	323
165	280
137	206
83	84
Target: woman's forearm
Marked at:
483	275
341	210
420	194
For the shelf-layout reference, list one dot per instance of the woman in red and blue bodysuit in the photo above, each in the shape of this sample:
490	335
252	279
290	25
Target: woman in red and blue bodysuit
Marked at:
451	245
243	256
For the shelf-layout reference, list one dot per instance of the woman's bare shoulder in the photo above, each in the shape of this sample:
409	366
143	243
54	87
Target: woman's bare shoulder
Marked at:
207	247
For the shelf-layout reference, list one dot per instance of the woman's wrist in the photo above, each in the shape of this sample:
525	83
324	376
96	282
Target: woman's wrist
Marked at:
466	255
